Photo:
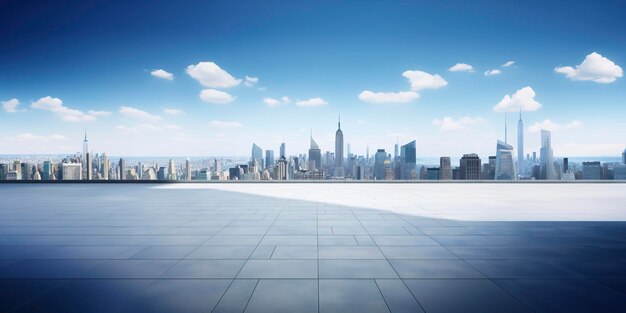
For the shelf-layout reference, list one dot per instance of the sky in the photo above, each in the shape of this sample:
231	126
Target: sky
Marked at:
209	78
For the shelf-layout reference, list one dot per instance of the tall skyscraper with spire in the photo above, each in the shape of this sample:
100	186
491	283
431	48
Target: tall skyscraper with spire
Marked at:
339	170
84	156
521	168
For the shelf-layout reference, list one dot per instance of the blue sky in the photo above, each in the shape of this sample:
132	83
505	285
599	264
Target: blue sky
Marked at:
76	67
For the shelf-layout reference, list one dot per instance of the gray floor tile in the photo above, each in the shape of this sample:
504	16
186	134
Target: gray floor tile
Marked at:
297	240
236	297
350	252
340	240
163	253
404	241
129	269
279	269
205	269
356	269
222	252
345	296
284	295
434	269
295	253
417	252
398	298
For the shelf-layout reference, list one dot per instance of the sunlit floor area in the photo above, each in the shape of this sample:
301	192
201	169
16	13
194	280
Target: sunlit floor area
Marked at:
312	247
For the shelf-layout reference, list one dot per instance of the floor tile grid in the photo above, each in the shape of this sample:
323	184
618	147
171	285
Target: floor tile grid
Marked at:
257	281
476	269
403	283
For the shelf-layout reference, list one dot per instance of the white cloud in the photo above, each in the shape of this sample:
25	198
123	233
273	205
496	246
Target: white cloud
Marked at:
271	101
313	102
215	96
595	68
162	74
493	72
250	81
463	123
140	128
32	137
388	97
173	111
211	75
285	99
523	99
138	114
508	63
172	127
67	114
222	124
421	80
551	126
58	137
10	105
461	67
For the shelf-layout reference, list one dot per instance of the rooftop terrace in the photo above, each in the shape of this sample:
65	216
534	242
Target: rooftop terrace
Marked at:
312	247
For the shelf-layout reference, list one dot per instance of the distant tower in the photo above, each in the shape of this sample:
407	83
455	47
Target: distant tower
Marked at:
521	168
624	157
283	153
546	156
339	171
188	169
84	156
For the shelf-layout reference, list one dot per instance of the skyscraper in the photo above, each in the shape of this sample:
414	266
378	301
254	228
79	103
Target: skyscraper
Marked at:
469	167
72	171
545	156
46	173
89	169
257	155
281	169
505	169
624	157
283	152
592	170
171	170
445	168
122	169
379	164
188	169
269	159
84	156
408	157
521	168
105	166
339	170
315	156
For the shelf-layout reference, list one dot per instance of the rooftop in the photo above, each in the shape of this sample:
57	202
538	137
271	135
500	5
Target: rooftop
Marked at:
312	247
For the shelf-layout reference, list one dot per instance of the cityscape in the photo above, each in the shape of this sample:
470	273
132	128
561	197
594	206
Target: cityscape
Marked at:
337	164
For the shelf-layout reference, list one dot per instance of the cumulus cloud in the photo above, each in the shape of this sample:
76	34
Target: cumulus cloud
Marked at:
138	114
523	99
461	67
313	102
56	106
250	81
222	124
10	106
595	68
508	63
463	123
275	102
388	97
551	126
173	111
215	96
493	72
211	75
421	80
162	74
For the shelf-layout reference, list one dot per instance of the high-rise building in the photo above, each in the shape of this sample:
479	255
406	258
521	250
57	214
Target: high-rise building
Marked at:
565	165
105	166
281	169
505	170
17	166
171	170
72	171
84	156
283	151
521	167
257	154
89	169
27	171
445	168
46	170
592	170
269	159
315	157
379	164
122	169
433	173
470	167
545	156
339	170
187	169
408	157
624	157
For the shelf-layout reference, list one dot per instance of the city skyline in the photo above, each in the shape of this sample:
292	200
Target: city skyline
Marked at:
210	86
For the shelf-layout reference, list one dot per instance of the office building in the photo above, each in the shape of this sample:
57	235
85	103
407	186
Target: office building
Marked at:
269	159
339	170
505	169
283	150
592	170
433	173
469	168
122	169
545	156
315	157
408	157
379	164
445	168
72	171
257	154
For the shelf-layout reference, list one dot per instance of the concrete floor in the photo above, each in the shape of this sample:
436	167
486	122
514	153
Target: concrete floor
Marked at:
313	248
